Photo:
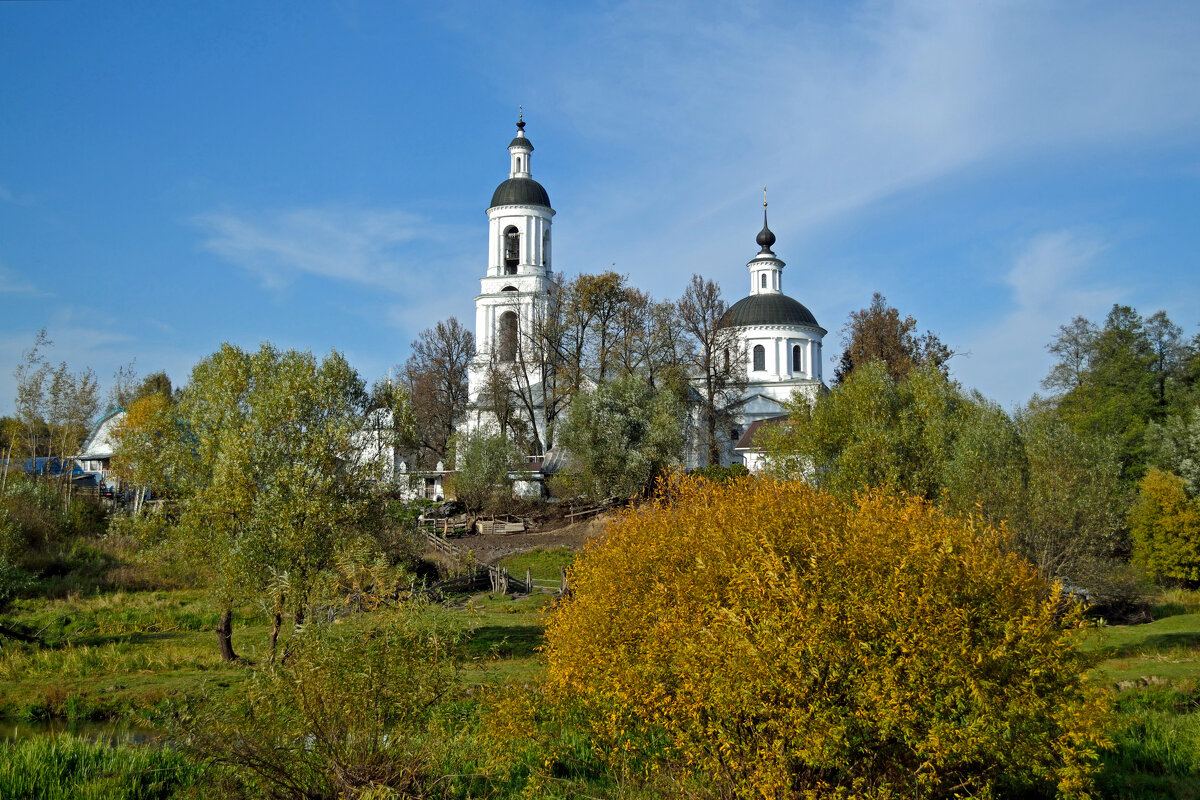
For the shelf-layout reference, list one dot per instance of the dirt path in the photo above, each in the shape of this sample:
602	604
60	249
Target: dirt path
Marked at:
489	549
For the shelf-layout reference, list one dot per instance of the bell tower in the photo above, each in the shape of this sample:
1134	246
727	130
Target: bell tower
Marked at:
516	288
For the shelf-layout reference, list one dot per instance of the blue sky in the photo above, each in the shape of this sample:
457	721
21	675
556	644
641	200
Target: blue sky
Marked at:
177	175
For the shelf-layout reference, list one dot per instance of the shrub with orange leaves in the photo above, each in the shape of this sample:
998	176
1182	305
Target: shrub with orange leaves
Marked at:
785	643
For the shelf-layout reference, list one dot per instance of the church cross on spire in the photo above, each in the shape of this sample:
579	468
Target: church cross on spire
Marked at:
765	237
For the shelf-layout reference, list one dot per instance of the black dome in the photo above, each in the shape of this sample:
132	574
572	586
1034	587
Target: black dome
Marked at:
520	192
521	141
768	309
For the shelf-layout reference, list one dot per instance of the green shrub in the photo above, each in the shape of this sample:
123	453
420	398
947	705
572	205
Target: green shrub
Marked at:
346	710
1165	523
720	474
786	643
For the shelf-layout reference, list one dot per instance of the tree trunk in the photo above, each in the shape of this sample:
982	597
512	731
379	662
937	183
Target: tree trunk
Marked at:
225	635
276	624
21	637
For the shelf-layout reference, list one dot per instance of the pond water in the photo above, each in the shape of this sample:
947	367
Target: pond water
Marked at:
111	731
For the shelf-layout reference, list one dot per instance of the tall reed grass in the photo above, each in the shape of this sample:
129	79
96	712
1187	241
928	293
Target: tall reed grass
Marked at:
69	767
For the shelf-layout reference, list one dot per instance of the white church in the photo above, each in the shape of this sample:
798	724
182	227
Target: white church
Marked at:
781	338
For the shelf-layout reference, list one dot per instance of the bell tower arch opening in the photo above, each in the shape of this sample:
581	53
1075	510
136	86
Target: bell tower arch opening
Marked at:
506	334
512	250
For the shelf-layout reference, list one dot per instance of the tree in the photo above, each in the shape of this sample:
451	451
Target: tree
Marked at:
499	395
621	437
1120	377
128	388
72	401
595	302
872	431
1174	446
55	406
436	376
1067	518
1122	380
486	459
266	459
149	444
1165	523
878	333
786	643
1058	491
1167	354
30	401
715	361
1075	347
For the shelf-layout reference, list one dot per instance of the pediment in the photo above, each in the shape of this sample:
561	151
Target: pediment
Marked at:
760	404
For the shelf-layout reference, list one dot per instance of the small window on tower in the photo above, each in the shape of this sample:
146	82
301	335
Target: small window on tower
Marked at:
512	250
763	283
796	366
760	358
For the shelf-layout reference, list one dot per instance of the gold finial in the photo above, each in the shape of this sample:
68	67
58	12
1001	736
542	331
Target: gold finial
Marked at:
521	113
764	197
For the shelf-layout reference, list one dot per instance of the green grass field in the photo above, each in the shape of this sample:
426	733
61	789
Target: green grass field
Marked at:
1153	671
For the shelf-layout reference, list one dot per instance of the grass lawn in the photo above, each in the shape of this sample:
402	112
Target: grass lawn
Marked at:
543	563
1154	671
111	653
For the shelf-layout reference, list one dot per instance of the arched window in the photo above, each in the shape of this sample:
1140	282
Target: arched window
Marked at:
796	365
512	250
760	358
509	289
763	282
508	336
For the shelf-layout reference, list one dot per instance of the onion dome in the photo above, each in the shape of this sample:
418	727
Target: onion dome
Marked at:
765	237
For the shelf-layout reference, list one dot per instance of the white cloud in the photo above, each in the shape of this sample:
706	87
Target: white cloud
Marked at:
840	107
11	283
1049	285
371	247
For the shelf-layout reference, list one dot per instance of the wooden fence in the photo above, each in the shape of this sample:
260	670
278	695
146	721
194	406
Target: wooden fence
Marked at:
582	513
501	582
447	527
498	579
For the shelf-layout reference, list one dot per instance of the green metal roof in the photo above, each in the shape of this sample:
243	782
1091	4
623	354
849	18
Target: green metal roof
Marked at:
520	192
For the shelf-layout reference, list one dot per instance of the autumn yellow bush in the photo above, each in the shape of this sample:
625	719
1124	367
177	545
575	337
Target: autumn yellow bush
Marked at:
785	643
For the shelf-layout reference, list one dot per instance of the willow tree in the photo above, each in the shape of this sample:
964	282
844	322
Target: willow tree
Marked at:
267	456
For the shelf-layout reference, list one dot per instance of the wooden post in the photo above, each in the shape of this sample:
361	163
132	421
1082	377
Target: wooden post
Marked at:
528	582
